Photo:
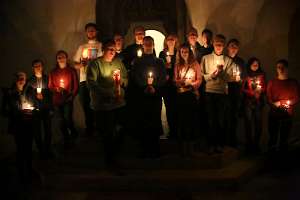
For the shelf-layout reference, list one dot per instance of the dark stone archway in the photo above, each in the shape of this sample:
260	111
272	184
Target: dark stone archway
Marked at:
117	15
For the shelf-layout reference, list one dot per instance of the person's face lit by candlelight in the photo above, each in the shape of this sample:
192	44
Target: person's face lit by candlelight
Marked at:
184	53
91	32
254	66
119	40
171	42
218	47
38	69
148	45
192	37
139	34
232	49
20	80
219	43
281	69
61	59
109	51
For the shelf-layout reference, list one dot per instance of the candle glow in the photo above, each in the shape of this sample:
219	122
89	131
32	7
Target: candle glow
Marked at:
85	53
39	90
139	53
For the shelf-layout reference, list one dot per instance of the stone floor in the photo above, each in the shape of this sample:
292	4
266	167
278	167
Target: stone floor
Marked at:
78	174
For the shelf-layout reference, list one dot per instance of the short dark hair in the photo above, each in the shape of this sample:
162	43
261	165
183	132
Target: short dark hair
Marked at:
233	41
220	38
108	43
148	38
138	28
37	61
91	25
284	62
208	33
192	30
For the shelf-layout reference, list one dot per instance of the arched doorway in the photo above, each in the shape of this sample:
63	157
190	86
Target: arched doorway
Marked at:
158	40
119	15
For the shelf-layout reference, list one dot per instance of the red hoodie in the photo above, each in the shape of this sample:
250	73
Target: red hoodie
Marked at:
65	78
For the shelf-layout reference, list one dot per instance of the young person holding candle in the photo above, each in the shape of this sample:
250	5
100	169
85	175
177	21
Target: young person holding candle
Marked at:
20	112
283	94
38	85
192	41
148	78
136	49
234	92
187	77
217	71
86	53
63	83
253	90
107	77
168	55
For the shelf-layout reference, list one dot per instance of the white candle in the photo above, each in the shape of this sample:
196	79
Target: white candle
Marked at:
39	90
139	53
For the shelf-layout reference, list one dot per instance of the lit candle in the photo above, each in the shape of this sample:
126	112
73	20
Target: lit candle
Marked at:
150	78
85	53
258	86
62	83
188	80
139	53
116	76
39	90
288	103
168	54
238	77
27	106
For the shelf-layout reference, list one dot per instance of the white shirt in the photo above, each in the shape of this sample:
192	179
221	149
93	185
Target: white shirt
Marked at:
91	51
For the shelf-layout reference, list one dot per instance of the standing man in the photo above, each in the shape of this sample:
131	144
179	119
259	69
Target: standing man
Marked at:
136	49
148	78
86	53
217	71
234	90
106	78
283	94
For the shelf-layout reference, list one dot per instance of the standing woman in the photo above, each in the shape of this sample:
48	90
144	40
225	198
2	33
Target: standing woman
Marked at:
253	91
63	83
188	78
169	90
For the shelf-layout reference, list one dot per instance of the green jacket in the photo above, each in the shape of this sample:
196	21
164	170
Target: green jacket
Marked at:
102	85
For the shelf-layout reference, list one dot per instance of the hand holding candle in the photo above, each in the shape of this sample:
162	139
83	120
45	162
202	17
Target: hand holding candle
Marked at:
237	77
139	53
150	78
168	57
117	82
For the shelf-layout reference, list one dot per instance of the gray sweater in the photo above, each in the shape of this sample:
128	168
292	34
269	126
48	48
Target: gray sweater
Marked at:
209	65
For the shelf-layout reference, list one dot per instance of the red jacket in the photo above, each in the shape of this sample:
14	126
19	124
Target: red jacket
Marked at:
251	84
63	78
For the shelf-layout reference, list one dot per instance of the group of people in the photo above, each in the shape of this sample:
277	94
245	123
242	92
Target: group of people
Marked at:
206	89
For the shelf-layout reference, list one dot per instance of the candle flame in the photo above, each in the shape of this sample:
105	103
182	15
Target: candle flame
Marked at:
150	74
139	53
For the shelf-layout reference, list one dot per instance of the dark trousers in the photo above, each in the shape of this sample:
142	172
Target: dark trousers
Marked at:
253	126
23	140
215	105
233	109
187	105
84	96
279	126
109	125
169	95
66	123
43	118
148	124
